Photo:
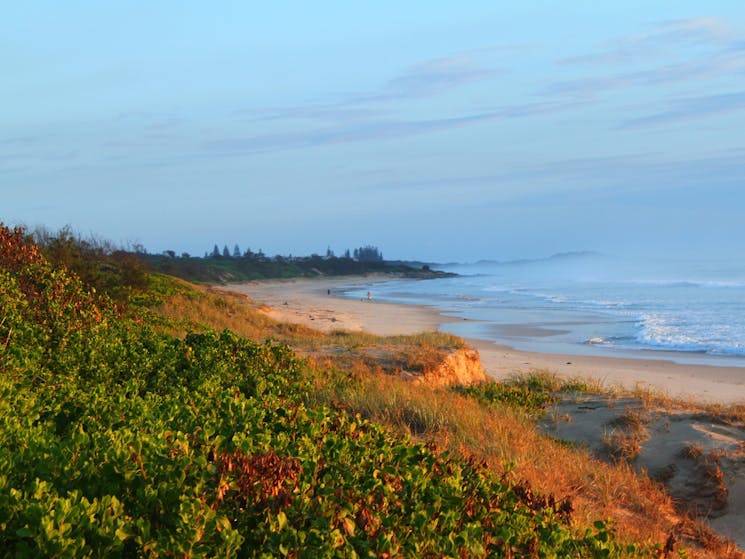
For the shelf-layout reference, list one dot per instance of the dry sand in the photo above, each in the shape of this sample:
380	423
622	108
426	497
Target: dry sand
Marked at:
308	302
669	440
699	457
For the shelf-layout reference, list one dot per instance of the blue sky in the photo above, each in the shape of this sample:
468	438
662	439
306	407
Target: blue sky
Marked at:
434	130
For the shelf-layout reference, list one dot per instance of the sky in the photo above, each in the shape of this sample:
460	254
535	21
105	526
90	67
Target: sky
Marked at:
439	131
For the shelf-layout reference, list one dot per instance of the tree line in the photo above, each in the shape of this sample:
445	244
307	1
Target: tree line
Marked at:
367	253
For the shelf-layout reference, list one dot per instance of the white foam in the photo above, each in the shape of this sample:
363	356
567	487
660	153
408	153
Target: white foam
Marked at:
674	334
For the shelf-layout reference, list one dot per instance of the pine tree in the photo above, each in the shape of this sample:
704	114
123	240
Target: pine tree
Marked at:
368	253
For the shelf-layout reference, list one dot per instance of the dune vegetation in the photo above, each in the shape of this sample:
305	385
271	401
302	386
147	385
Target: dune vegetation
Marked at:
141	415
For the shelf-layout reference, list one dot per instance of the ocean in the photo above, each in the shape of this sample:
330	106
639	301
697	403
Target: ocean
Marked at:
687	311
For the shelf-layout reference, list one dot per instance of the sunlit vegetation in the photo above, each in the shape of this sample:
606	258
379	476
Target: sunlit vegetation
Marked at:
98	264
148	429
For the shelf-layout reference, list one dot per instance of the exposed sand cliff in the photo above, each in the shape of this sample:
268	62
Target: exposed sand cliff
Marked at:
462	367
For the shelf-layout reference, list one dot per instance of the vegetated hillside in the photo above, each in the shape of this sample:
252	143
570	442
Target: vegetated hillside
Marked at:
220	269
120	440
100	264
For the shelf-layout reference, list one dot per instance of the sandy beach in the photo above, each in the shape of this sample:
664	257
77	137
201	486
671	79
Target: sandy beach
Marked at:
317	303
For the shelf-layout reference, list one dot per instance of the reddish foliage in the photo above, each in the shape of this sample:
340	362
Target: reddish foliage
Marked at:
368	521
539	502
15	252
50	294
266	480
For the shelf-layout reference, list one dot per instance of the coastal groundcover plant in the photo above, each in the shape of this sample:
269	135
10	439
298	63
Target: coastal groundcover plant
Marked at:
119	440
530	392
524	398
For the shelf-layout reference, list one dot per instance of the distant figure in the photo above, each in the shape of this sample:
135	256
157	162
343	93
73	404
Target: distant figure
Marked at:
328	292
369	296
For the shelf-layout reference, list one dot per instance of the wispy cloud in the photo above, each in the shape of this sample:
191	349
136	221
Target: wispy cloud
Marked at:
368	115
41	155
693	107
375	130
18	140
328	112
691	31
701	51
588	179
725	63
642	171
662	37
428	78
705	48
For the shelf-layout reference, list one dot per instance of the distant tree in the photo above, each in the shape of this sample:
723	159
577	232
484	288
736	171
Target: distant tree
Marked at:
368	253
63	248
329	253
347	254
236	251
225	251
170	253
98	263
215	252
185	255
131	270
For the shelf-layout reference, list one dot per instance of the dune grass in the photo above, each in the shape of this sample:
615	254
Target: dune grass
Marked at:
507	440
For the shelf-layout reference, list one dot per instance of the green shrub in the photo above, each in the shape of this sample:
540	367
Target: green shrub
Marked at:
528	398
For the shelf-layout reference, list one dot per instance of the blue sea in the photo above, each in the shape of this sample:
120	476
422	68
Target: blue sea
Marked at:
682	310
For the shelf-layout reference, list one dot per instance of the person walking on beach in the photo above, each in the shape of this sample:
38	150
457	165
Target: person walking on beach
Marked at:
369	296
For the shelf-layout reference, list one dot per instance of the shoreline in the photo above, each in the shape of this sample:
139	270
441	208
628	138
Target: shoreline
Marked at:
316	303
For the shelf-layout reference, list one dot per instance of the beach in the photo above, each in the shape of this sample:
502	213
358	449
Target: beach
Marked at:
318	303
